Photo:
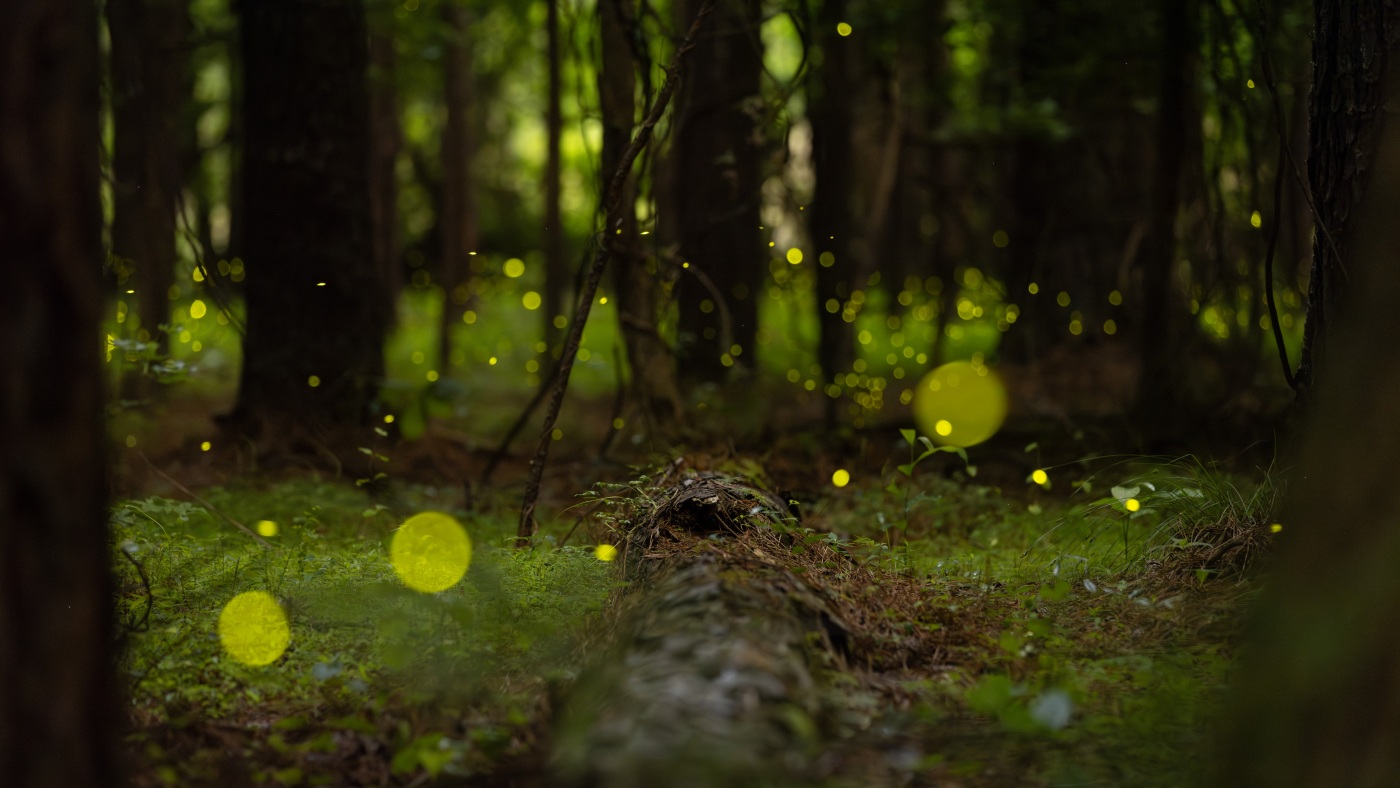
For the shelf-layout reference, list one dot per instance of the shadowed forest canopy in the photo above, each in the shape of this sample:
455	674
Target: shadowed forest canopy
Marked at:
696	392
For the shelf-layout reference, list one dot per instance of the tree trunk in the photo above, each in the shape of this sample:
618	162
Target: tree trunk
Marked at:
150	87
458	222
831	222
652	388
1351	42
716	191
317	314
1159	331
1317	700
556	266
385	142
59	719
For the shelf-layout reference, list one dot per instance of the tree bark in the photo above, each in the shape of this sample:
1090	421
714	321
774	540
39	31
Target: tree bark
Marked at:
1352	42
59	719
716	193
385	141
1317	696
653	388
317	314
458	223
831	222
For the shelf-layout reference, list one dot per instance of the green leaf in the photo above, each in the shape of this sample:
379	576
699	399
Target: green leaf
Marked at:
908	436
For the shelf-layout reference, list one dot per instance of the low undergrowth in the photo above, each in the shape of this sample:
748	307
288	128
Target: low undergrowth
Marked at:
1093	644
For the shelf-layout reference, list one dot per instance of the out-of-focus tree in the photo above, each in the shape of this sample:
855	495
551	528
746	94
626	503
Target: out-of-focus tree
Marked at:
457	221
150	90
716	169
386	140
317	312
653	388
556	266
59	719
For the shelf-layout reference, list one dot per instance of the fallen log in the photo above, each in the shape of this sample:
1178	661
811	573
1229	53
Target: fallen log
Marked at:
718	671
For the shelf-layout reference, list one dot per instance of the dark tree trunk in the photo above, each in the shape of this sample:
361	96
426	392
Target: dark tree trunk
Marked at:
385	142
317	313
1351	44
59	719
150	86
1317	696
457	223
653	388
716	192
556	267
1159	330
831	222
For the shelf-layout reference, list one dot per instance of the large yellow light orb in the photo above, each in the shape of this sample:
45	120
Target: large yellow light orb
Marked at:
960	404
430	552
253	628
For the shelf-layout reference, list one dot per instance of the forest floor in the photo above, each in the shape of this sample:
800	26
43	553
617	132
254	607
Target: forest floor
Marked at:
1074	629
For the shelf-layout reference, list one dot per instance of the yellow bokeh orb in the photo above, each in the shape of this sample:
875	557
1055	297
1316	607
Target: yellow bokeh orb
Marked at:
1039	476
960	404
605	552
267	528
841	478
1132	504
253	628
430	552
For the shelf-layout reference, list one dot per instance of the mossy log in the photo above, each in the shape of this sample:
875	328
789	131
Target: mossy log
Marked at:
715	674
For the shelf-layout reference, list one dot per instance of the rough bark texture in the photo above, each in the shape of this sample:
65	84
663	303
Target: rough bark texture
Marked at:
458	223
831	222
712	675
58	714
716	192
150	86
1317	699
653	388
315	303
1352	44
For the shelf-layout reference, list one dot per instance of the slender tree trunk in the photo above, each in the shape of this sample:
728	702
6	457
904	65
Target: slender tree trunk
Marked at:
458	222
653	388
385	141
831	223
1317	695
1159	330
556	267
1351	41
149	91
59	719
317	314
716	190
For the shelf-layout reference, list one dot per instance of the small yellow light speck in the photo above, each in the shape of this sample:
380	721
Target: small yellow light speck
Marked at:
943	427
1255	220
1033	288
388	418
491	361
1115	298
196	346
514	267
531	300
794	255
1110	327
558	434
843	29
131	441
841	478
432	375
205	446
603	300
1039	476
468	317
605	552
1275	528
266	528
685	265
1132	505
320	284
197	309
313	381
618	423
1249	83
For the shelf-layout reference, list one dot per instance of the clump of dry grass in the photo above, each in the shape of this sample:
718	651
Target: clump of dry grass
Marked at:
1216	526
